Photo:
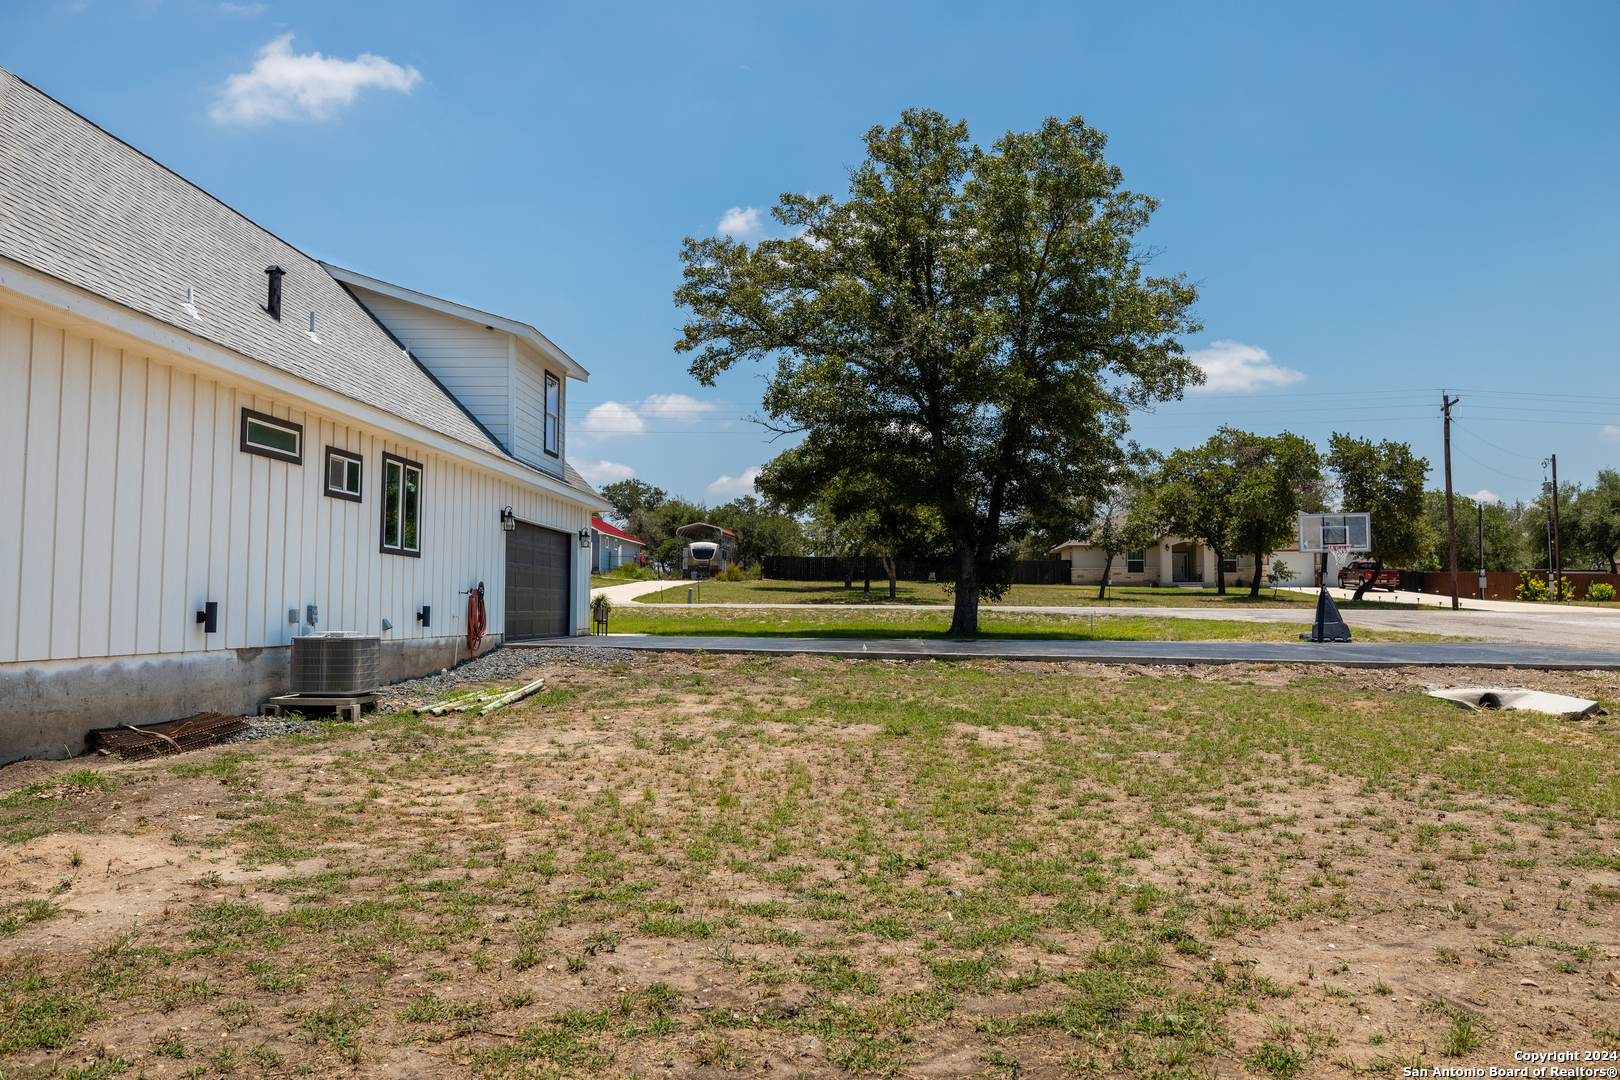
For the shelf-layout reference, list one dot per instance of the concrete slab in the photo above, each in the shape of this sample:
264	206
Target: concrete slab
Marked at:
1354	654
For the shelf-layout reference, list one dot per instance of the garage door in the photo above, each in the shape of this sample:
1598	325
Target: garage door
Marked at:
537	582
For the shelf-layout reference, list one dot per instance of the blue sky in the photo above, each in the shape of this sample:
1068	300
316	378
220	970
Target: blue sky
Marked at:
1379	201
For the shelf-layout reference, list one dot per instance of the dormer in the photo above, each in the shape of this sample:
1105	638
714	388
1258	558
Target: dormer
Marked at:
506	374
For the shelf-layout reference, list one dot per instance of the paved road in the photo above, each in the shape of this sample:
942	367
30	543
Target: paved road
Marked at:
1355	654
1590	628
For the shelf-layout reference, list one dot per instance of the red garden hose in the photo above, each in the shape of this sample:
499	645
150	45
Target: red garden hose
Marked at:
476	620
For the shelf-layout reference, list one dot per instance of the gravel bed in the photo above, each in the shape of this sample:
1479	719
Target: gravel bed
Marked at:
271	727
498	666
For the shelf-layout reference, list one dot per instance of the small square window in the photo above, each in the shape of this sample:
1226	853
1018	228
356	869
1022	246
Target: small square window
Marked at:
343	471
1229	565
264	435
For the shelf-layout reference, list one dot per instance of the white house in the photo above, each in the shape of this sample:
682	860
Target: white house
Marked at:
194	412
1171	561
612	547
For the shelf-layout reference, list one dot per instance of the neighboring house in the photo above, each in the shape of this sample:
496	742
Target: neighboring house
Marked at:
612	548
1170	561
193	411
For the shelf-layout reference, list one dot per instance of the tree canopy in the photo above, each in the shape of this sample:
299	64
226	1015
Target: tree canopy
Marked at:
977	324
1384	480
1196	496
1279	477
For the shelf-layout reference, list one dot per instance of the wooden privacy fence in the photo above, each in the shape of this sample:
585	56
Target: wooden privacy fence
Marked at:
826	568
1499	585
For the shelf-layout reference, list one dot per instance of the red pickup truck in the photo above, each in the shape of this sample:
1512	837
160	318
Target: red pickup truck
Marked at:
1355	573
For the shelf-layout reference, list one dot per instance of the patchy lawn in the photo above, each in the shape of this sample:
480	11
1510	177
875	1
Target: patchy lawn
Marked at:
699	865
910	593
924	623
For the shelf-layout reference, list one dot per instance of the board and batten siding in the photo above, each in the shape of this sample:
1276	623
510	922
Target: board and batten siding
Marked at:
126	503
473	363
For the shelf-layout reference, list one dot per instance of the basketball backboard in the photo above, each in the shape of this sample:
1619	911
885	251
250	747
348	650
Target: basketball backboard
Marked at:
1335	532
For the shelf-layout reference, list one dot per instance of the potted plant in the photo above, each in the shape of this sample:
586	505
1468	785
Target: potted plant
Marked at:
600	606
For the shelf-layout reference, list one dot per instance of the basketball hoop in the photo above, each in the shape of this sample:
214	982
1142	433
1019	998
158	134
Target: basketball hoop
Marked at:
1335	532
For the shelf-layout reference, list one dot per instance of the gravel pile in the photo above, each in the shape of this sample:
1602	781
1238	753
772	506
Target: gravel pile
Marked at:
270	727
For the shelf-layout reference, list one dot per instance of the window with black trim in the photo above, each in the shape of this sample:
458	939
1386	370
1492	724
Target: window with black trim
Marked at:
1135	562
269	437
553	415
402	506
343	473
1229	564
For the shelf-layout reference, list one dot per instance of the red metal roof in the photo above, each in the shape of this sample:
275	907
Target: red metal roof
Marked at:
601	526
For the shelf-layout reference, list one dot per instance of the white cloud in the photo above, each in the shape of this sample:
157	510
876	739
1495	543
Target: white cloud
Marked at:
602	472
740	223
674	407
241	9
732	487
1233	367
1611	432
286	86
1485	495
611	418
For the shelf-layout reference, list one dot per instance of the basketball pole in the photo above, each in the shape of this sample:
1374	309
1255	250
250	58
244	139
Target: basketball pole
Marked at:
1451	518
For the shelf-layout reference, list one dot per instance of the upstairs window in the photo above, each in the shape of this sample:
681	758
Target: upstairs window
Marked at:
343	474
264	435
402	507
553	415
1135	562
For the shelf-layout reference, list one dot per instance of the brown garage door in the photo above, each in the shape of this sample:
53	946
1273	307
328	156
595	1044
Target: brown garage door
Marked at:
537	582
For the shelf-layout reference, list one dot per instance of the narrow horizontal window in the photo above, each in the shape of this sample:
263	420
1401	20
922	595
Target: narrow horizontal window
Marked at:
402	507
343	471
269	437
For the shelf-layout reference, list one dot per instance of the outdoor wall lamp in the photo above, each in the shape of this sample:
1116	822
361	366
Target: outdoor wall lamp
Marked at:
508	519
584	538
208	617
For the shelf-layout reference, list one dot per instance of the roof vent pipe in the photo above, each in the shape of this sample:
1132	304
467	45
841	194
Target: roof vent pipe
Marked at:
273	304
311	331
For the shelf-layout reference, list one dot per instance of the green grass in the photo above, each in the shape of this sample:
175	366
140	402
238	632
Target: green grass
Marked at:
901	623
915	593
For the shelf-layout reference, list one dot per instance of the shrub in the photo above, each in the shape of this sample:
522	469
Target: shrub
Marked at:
1530	587
1601	590
733	573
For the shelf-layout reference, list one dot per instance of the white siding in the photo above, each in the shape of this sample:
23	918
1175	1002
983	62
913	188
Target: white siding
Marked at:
126	503
530	410
473	363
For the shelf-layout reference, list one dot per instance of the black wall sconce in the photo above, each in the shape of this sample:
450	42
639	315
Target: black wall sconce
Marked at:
425	617
508	519
208	617
584	538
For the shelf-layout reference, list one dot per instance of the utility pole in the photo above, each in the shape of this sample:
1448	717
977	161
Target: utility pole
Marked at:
1481	508
1451	518
1558	548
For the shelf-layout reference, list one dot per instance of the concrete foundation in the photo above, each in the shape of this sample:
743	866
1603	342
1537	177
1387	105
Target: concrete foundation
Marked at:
46	708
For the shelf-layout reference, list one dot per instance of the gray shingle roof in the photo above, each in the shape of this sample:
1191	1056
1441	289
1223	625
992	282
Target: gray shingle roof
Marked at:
85	207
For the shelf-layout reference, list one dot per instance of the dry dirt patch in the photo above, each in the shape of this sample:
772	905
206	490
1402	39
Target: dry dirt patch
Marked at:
700	865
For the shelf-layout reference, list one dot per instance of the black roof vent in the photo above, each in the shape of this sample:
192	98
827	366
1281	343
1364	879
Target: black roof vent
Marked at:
273	304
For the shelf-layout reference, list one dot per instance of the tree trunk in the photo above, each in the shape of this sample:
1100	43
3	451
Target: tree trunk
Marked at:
1220	572
965	606
866	565
888	568
849	574
1102	586
1367	583
1254	586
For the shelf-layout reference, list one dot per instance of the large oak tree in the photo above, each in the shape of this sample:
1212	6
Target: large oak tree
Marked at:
971	327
